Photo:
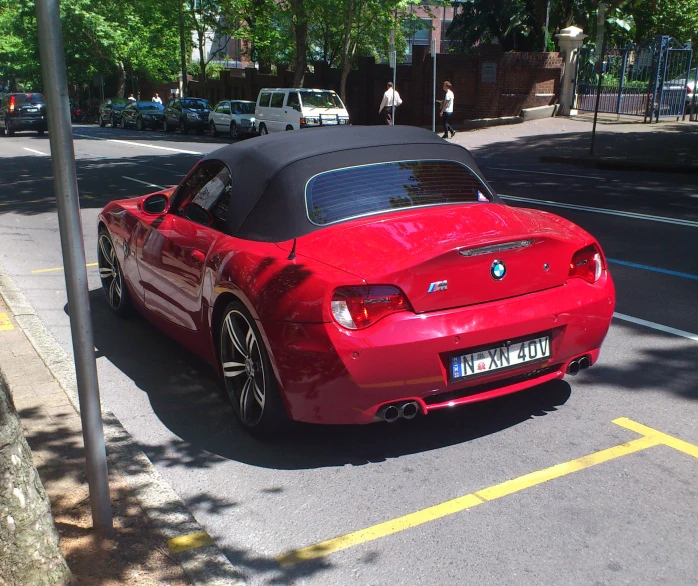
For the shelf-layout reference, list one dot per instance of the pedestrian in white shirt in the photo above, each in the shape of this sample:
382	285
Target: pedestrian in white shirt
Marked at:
157	99
390	98
447	110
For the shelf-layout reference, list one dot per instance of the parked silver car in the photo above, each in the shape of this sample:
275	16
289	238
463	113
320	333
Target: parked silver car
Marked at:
234	117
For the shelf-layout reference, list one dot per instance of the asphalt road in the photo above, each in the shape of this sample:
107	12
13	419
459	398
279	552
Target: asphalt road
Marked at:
626	515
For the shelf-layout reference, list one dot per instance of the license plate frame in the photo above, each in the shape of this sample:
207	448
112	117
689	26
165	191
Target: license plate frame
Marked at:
500	357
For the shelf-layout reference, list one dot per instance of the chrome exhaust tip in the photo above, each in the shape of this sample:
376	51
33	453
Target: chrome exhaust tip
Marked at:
584	362
409	410
573	368
390	414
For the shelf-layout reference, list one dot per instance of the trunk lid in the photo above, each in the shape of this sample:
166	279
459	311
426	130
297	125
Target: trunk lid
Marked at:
445	257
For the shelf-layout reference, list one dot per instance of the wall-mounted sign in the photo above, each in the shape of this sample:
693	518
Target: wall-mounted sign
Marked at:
489	73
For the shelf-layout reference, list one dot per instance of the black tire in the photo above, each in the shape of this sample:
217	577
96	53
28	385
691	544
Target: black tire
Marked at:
113	284
247	373
289	127
212	129
234	132
123	123
166	127
183	127
8	128
112	120
139	123
102	123
263	130
41	132
2	131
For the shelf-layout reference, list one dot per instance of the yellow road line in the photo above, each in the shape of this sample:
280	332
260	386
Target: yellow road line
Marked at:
5	323
465	502
662	438
89	264
191	541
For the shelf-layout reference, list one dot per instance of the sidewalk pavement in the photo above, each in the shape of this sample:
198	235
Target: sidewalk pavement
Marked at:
157	540
621	144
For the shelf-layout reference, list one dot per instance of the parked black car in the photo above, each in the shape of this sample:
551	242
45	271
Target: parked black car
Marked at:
22	112
187	114
110	111
143	115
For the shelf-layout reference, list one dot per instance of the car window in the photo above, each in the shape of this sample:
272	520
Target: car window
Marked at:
223	108
320	99
277	100
195	104
154	106
347	193
24	99
264	98
293	100
205	195
244	107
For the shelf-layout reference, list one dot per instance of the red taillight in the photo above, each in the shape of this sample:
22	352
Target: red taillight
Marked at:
587	264
688	89
359	307
12	104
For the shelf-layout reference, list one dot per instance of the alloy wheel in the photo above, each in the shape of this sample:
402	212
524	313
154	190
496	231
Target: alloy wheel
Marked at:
110	273
234	130
139	124
244	368
263	130
212	129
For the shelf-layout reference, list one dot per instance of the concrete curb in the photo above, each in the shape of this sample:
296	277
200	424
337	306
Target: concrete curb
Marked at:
205	566
621	165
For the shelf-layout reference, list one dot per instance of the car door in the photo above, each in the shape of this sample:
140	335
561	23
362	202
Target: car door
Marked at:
128	115
172	261
221	117
276	112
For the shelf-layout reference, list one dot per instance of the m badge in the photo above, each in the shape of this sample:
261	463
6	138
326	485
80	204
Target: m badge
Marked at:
438	286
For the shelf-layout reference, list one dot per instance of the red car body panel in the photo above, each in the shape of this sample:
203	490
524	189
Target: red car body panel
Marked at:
180	274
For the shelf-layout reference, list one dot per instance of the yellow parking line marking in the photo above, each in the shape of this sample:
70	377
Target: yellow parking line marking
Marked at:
661	437
465	502
191	541
5	323
89	264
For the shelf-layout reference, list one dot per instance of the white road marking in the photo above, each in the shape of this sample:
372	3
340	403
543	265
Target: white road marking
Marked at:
36	152
656	326
144	182
548	173
633	215
141	144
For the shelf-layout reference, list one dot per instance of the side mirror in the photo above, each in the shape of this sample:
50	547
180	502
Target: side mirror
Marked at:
155	204
297	107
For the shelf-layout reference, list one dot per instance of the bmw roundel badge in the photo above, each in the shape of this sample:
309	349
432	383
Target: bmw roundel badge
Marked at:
498	270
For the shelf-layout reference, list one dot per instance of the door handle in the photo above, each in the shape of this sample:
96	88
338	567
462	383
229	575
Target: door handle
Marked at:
198	255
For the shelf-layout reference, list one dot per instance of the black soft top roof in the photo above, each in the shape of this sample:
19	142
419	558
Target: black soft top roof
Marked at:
270	173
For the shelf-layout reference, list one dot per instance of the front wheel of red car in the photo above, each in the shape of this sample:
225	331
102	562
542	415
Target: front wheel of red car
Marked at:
247	373
113	285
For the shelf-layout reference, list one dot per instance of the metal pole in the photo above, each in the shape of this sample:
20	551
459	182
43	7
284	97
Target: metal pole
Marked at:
72	243
622	81
547	25
433	97
393	59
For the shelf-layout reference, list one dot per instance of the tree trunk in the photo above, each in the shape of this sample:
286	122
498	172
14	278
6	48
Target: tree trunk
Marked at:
301	29
346	52
121	82
29	551
182	53
202	59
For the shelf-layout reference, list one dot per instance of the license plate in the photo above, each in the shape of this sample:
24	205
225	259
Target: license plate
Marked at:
500	357
329	122
32	109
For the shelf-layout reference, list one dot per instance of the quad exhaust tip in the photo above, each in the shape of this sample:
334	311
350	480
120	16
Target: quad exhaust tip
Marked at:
579	364
391	413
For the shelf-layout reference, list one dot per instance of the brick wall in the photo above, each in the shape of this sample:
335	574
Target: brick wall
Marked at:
487	84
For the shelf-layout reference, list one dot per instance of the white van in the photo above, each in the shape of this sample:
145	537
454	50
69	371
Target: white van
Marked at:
281	109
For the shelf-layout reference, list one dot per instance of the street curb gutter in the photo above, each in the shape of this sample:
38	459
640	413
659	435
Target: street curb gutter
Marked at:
204	566
620	165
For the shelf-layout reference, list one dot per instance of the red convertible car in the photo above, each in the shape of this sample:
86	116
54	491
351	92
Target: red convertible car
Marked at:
360	274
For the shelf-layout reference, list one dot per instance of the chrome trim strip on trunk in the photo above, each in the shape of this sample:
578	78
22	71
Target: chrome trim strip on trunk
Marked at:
496	247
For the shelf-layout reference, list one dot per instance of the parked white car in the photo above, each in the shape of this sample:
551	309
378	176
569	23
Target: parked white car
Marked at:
234	117
280	109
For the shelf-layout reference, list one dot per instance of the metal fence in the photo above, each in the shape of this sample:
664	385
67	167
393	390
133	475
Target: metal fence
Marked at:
650	79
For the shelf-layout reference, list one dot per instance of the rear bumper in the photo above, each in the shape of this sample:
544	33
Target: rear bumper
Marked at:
331	375
19	124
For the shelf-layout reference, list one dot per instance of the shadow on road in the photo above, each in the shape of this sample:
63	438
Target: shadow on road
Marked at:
187	398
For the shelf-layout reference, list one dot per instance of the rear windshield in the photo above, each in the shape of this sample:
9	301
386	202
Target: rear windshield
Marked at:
347	193
22	99
312	99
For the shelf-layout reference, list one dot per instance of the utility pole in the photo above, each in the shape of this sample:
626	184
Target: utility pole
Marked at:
73	247
600	67
393	64
433	94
